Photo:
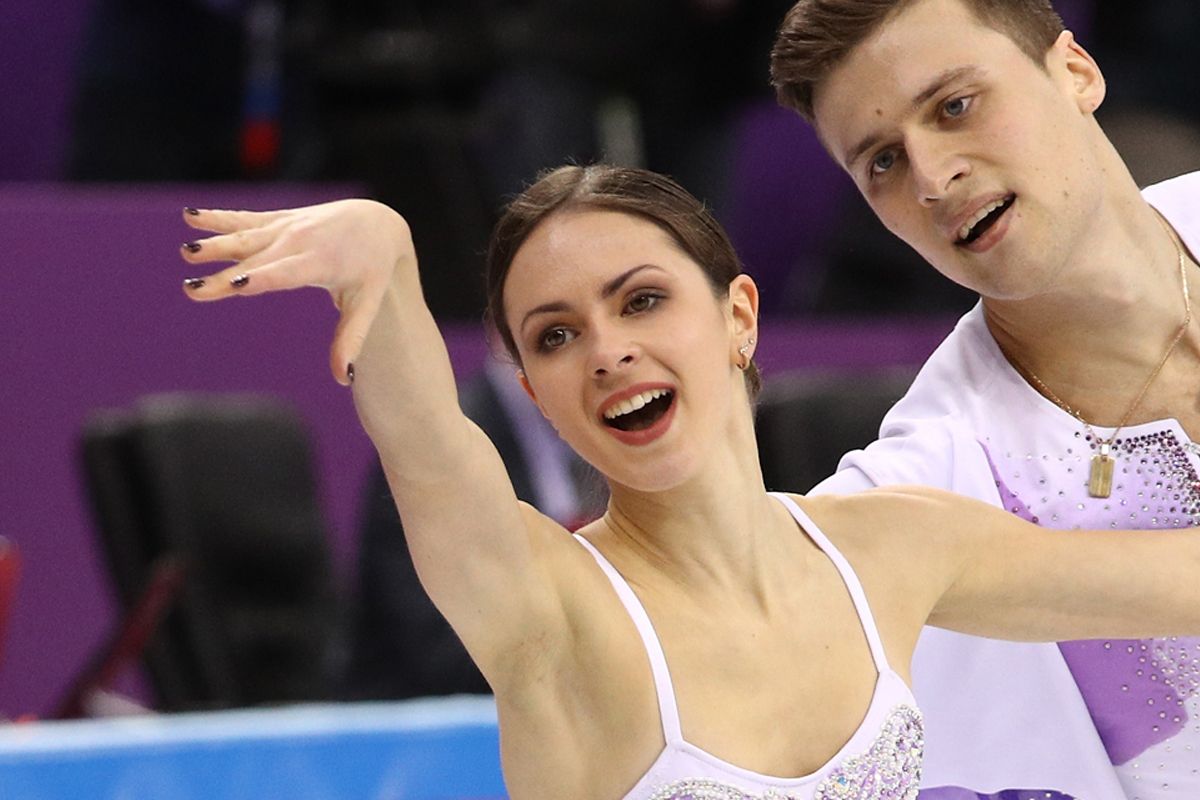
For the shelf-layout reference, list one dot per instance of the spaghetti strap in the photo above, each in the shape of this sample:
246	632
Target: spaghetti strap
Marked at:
668	710
853	585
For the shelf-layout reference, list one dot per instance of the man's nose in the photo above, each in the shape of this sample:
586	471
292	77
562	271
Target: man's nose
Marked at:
934	167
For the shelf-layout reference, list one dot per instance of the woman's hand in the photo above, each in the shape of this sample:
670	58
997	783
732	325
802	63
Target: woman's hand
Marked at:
350	248
479	553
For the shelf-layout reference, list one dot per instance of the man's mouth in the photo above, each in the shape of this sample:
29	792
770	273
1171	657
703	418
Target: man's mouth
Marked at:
640	411
983	220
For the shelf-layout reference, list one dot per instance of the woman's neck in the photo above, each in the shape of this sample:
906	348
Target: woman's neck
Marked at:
719	528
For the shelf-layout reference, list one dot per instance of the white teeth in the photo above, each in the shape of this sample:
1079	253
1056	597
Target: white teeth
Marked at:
633	403
966	229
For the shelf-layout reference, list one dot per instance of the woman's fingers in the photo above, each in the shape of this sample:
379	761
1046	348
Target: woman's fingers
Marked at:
237	246
281	250
358	312
251	277
223	221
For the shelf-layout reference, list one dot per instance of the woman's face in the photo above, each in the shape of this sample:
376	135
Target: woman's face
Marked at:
624	346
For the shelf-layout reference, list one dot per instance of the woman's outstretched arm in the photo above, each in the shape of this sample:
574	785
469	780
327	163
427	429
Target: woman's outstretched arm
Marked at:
990	573
478	551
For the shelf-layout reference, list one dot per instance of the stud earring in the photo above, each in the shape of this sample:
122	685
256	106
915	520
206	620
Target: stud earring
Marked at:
744	351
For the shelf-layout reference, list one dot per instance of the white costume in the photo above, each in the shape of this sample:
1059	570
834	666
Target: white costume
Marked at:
1103	720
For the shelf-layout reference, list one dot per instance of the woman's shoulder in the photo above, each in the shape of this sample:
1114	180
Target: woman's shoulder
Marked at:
558	686
895	537
900	568
887	508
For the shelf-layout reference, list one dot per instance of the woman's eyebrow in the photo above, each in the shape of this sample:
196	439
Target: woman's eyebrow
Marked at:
614	286
606	291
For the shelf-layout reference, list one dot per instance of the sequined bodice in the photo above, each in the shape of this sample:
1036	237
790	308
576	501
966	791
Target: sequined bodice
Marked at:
880	761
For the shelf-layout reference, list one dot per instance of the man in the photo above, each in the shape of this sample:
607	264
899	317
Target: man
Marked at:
1069	395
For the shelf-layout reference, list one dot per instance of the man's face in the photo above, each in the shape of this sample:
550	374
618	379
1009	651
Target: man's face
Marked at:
980	159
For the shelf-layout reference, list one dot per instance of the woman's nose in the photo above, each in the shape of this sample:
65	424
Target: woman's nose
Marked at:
612	353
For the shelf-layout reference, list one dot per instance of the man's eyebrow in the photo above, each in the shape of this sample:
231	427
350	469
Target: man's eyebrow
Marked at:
606	291
868	142
940	80
935	85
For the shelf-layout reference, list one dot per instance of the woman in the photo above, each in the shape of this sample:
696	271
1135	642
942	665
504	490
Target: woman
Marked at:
623	305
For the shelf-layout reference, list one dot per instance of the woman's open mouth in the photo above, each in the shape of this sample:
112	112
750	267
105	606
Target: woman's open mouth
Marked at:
639	412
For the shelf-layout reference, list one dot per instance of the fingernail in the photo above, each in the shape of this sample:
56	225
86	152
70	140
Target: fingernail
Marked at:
193	283
191	247
350	372
190	210
240	281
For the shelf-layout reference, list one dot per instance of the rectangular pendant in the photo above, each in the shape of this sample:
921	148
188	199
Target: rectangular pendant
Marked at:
1100	478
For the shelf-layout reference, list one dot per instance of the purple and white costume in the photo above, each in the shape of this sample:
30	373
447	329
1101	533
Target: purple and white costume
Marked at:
881	760
1097	720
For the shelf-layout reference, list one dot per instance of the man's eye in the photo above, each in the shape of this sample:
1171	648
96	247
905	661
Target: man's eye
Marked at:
883	162
956	107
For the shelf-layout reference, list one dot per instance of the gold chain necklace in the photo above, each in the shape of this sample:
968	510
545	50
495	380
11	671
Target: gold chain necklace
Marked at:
1101	474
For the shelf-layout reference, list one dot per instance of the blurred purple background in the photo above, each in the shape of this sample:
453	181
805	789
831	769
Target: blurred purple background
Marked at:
38	45
93	316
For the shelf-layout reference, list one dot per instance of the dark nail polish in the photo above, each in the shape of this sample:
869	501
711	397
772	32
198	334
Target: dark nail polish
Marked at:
350	372
240	281
192	211
193	283
192	247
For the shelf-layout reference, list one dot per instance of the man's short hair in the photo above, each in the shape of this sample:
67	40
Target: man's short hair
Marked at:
816	35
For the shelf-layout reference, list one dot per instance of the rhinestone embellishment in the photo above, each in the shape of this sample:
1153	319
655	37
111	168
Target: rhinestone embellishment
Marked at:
707	789
889	770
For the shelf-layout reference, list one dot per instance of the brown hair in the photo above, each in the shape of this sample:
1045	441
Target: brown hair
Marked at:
816	35
638	192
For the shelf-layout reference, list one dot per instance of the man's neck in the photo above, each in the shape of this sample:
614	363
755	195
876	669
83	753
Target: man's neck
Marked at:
1095	338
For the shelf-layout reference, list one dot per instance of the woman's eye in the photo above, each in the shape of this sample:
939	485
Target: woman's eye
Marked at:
883	162
555	338
956	107
642	302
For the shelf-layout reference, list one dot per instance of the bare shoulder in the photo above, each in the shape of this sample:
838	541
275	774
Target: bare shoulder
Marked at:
578	613
903	544
900	515
563	569
576	684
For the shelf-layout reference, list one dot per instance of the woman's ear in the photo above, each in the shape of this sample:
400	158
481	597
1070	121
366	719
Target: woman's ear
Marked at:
1082	76
524	381
743	306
